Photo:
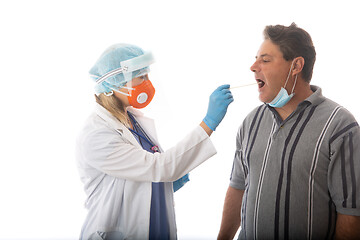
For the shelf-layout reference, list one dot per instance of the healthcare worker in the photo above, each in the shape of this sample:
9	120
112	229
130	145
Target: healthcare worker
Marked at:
128	179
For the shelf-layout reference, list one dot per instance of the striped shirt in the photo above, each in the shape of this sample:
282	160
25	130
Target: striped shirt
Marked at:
299	172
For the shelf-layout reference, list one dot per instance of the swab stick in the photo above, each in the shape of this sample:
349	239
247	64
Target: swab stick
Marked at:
243	85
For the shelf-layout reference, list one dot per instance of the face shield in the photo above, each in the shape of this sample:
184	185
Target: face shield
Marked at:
130	69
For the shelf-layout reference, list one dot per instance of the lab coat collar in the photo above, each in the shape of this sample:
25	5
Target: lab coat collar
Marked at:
145	122
114	123
135	112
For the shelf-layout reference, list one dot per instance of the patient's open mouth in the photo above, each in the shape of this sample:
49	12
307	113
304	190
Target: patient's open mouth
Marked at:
260	83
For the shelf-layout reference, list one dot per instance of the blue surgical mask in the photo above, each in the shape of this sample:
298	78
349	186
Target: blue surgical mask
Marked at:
282	98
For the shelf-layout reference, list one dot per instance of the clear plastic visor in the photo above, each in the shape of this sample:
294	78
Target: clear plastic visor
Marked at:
128	67
137	81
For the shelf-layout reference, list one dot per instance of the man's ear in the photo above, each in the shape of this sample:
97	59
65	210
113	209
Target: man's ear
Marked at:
298	65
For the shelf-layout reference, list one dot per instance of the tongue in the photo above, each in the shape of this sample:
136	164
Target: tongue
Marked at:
261	83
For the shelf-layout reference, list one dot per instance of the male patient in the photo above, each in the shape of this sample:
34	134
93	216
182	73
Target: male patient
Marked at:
296	172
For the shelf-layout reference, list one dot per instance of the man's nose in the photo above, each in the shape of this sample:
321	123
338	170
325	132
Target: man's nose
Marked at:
254	67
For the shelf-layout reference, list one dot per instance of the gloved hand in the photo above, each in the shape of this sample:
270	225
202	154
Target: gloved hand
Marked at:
218	104
180	182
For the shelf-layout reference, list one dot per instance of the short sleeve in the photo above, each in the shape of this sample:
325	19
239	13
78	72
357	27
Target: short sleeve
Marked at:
237	177
344	172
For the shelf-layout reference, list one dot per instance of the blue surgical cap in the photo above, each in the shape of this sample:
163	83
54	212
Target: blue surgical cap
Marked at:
110	61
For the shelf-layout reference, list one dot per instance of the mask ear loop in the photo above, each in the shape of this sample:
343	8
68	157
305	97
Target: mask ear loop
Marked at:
108	94
126	94
287	79
292	90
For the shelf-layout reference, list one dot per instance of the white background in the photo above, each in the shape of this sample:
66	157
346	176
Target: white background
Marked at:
47	48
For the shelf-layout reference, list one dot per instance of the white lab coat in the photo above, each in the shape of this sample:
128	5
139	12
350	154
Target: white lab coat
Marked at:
118	174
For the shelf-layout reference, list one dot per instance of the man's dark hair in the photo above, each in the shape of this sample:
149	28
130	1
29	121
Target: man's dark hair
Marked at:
293	42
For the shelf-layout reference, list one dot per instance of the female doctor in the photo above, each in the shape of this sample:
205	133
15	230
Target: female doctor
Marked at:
127	177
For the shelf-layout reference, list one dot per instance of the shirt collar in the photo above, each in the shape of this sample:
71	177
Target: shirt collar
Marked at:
316	98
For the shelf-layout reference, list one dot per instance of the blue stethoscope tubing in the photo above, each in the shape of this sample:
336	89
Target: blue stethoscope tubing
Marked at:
154	147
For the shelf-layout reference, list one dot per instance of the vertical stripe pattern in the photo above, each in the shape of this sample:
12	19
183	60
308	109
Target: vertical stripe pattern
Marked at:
261	178
352	171
297	172
313	168
243	208
343	175
249	135
287	192
280	181
251	147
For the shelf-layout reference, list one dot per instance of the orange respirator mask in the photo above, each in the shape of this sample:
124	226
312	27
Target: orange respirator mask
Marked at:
141	95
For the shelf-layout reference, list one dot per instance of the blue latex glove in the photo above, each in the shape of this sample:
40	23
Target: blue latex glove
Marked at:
218	104
180	182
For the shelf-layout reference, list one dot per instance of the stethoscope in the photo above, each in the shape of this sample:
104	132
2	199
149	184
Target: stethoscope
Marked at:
145	137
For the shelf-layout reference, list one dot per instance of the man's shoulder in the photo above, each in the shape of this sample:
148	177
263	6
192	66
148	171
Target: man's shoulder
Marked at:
339	119
342	113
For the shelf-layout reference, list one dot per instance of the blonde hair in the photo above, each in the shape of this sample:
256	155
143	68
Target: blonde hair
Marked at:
114	106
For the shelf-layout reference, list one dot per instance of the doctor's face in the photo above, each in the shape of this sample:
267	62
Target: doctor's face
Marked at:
270	70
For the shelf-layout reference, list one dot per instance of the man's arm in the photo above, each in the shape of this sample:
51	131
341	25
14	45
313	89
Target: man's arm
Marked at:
231	214
347	227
